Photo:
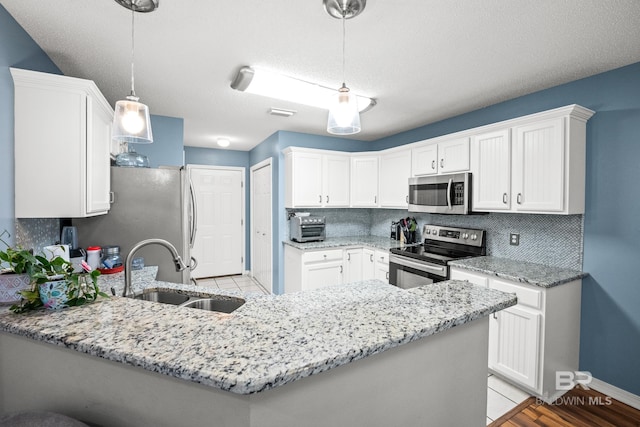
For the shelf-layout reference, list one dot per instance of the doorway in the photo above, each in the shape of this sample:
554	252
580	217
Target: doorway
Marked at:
261	224
219	242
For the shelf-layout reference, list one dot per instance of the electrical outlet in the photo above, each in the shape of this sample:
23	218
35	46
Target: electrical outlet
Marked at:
514	239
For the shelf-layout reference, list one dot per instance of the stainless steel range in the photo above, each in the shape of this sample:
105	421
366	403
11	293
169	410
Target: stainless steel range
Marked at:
428	263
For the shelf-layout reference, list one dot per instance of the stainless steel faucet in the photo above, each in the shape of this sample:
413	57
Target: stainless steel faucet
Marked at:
180	265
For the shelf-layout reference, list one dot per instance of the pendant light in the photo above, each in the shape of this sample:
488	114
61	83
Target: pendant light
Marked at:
344	116
131	120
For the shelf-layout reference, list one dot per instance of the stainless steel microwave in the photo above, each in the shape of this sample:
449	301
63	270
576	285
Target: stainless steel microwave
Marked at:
441	194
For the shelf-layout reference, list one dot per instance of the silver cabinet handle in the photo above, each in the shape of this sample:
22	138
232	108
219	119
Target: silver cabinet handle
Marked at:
371	257
504	198
320	198
441	163
433	164
407	198
340	269
519	198
327	198
495	316
348	257
382	258
387	275
375	199
112	197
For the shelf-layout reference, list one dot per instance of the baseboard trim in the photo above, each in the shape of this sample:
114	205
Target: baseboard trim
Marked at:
615	392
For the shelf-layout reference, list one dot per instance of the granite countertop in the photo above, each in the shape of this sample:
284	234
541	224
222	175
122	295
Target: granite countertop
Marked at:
376	242
520	271
270	341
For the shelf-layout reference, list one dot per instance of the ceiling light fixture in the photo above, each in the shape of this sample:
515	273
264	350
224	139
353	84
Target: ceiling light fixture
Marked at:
344	116
131	120
223	142
273	85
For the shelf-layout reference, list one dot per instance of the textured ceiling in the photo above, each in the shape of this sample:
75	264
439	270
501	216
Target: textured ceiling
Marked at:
423	60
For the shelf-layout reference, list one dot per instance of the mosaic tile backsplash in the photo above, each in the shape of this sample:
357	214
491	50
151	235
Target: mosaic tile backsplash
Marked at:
554	240
36	233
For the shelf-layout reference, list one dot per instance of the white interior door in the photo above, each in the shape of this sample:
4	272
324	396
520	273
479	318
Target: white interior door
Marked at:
219	242
261	241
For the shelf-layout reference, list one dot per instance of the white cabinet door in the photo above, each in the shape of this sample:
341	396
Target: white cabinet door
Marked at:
336	180
491	167
538	166
321	275
514	344
364	181
368	264
353	265
382	265
395	171
98	164
424	160
453	156
303	180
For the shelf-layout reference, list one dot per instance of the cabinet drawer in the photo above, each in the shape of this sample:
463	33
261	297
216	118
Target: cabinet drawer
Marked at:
382	256
321	256
526	296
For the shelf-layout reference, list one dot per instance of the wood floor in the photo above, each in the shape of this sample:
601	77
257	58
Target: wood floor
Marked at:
577	408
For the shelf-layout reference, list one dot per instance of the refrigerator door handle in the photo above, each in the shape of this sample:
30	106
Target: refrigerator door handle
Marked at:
193	214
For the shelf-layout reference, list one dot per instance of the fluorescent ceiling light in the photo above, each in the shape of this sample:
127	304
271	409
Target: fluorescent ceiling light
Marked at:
223	142
266	83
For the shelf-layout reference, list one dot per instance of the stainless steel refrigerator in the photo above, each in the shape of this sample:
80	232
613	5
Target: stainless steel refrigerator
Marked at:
147	203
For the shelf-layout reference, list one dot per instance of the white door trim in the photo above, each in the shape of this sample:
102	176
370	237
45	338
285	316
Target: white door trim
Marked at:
260	165
242	197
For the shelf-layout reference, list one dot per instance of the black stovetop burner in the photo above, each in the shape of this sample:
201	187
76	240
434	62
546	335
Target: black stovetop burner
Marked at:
444	244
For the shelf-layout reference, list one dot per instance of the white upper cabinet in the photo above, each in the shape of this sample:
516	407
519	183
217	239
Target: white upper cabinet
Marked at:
536	165
441	157
314	178
62	144
539	166
424	160
395	171
335	181
364	181
491	169
453	156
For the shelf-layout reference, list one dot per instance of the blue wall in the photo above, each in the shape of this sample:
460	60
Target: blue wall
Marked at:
610	328
17	49
168	142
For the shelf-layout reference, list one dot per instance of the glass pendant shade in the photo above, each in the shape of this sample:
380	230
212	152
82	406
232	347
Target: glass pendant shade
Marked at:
131	122
344	118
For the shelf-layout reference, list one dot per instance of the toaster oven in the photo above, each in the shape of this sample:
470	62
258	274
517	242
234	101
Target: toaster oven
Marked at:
307	228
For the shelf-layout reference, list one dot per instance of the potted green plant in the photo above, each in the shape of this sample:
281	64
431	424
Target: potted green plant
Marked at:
55	285
16	267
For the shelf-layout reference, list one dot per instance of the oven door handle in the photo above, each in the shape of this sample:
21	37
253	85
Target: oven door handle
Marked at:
449	193
393	259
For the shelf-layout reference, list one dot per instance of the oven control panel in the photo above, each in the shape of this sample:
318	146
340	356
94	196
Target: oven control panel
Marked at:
465	236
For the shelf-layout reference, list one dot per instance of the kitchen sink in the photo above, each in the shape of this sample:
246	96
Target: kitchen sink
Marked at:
212	304
165	297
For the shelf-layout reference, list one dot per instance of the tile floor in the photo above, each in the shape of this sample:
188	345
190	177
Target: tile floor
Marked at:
237	283
501	397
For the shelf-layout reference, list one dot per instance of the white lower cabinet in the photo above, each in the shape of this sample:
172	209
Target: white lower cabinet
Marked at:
539	336
313	269
382	265
353	263
368	264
